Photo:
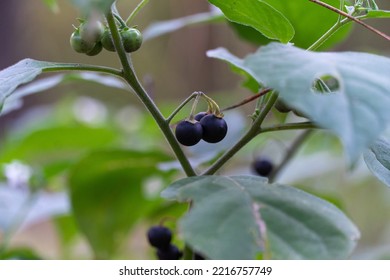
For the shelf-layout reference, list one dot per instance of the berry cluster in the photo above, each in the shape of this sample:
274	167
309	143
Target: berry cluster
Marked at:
207	126
160	237
263	166
91	37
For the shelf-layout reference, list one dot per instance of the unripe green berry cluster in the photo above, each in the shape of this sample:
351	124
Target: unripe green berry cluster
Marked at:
91	37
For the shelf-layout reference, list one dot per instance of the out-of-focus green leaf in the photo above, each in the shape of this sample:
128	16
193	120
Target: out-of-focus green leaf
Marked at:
107	195
258	15
88	6
377	14
377	159
19	253
253	217
52	4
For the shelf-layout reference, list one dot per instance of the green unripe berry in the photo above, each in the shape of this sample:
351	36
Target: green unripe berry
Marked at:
131	38
79	44
107	41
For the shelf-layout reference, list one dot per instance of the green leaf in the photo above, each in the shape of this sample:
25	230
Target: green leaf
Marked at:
377	159
310	22
259	15
107	196
377	14
357	108
14	101
88	6
57	144
255	217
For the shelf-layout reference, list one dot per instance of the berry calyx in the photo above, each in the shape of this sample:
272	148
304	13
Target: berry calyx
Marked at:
159	237
169	253
263	166
214	128
188	133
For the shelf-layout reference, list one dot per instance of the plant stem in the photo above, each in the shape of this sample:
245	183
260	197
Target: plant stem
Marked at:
369	27
290	154
83	67
288	126
245	139
136	11
249	99
177	110
131	78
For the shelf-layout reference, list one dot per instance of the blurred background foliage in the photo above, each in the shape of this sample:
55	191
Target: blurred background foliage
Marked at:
80	127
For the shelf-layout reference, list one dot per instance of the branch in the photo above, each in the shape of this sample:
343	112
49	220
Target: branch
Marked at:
249	99
369	27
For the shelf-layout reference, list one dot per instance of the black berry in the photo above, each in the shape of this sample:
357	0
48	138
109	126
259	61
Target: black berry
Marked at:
198	256
159	237
263	166
169	253
214	128
200	115
188	133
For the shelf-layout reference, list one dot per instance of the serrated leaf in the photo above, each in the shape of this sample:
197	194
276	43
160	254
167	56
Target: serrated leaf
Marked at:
255	217
377	159
357	111
107	196
259	15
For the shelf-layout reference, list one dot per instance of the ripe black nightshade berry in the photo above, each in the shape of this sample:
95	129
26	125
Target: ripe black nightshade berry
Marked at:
200	115
214	128
159	237
188	133
263	166
169	253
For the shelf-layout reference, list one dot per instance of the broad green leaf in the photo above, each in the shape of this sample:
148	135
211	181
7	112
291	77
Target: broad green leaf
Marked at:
57	144
356	110
254	217
23	72
310	22
107	196
377	14
258	15
88	6
19	253
377	159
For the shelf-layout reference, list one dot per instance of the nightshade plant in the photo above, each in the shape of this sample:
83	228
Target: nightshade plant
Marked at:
345	93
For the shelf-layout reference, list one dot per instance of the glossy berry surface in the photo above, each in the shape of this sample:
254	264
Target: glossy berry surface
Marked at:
188	133
200	115
131	38
263	166
170	253
96	49
214	128
159	237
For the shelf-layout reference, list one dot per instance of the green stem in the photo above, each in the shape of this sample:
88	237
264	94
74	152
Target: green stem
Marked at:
83	67
288	126
136	11
177	110
245	139
130	76
327	35
290	154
